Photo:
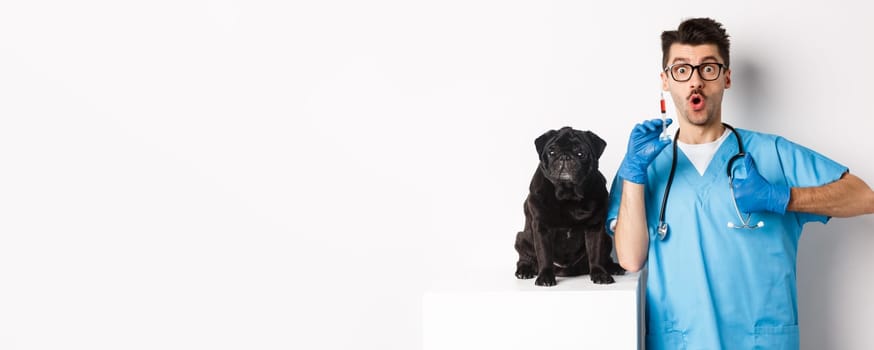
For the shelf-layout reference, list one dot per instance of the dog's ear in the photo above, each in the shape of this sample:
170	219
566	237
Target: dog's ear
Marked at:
541	141
595	141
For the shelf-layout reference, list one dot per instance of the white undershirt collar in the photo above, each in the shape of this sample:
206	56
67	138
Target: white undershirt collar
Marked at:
702	153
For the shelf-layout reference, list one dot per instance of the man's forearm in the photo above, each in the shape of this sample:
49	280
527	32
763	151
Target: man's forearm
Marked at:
631	238
846	197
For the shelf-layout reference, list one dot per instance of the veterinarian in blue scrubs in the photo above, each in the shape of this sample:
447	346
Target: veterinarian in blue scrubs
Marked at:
722	274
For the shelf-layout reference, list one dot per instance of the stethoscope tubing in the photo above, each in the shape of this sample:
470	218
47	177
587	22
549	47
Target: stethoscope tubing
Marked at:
662	228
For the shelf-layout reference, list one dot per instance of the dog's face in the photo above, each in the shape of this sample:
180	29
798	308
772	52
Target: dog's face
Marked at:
569	155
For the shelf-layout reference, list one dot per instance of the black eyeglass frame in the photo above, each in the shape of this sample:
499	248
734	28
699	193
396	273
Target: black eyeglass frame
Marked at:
670	71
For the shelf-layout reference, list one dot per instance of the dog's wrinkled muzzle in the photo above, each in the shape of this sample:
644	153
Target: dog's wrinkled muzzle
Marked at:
565	171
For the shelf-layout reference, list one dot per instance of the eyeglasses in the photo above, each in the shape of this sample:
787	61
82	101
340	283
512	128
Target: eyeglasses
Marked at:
681	72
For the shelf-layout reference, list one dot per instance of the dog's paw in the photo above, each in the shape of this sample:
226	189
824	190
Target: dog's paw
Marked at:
525	272
545	280
602	278
615	269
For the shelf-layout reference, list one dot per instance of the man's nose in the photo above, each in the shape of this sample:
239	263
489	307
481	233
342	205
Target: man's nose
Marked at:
695	80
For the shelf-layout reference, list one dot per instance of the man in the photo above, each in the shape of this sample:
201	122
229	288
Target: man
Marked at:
721	271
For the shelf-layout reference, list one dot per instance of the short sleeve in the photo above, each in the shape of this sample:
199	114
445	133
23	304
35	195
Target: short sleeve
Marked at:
804	167
613	204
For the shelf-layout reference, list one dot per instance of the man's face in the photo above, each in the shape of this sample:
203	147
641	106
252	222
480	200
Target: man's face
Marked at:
698	102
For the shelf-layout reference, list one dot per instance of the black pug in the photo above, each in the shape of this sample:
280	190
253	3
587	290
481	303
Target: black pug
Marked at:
565	212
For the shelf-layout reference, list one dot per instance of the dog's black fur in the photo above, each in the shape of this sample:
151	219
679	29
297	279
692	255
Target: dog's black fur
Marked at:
565	211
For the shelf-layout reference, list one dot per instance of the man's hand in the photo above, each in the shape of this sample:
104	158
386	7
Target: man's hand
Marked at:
754	194
643	146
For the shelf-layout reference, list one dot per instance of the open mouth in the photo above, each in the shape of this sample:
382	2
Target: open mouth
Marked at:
696	102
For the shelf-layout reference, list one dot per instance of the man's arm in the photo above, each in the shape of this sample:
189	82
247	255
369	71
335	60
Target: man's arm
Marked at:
849	196
631	237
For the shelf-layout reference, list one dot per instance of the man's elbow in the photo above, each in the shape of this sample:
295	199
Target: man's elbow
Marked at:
631	265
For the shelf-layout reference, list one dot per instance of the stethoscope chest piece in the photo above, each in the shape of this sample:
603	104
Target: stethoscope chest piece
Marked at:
663	230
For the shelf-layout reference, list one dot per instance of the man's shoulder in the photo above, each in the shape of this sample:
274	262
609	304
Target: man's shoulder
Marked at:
757	134
758	139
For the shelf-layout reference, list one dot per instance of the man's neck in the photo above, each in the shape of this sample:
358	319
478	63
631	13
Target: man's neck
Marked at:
698	134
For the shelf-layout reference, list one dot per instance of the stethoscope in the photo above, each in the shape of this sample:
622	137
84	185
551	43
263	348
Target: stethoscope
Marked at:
745	223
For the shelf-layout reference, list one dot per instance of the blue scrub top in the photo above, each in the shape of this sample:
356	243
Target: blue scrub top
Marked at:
714	287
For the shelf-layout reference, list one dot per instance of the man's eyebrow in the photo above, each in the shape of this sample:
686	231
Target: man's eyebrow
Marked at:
686	60
679	60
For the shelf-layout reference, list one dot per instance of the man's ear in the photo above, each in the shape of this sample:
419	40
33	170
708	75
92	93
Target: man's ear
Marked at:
598	144
665	85
541	141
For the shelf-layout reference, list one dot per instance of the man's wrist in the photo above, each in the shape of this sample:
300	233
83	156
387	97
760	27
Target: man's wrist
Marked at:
631	173
781	198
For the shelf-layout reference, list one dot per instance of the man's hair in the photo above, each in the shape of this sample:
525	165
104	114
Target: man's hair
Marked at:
696	31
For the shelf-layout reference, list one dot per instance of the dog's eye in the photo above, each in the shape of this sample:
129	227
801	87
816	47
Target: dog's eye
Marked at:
580	154
552	153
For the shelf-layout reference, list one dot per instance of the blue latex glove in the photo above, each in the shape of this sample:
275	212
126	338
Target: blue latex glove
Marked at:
643	146
755	194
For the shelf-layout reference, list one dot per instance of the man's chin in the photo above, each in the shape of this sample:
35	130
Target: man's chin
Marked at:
699	118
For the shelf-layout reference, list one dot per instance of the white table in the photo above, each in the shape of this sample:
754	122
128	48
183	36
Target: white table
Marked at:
498	311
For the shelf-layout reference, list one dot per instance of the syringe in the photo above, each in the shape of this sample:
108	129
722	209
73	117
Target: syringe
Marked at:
664	135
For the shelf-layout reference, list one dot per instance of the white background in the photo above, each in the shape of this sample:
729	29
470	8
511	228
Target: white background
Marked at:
275	175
